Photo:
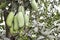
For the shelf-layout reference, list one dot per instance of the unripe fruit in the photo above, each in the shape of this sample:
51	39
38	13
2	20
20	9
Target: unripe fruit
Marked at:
27	20
34	5
21	9
11	30
20	19
15	23
10	18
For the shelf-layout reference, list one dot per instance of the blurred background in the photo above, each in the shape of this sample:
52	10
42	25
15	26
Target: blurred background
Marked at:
44	23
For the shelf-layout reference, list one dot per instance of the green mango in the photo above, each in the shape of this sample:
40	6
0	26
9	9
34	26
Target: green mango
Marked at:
34	5
20	19
21	9
15	23
10	18
26	20
11	30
